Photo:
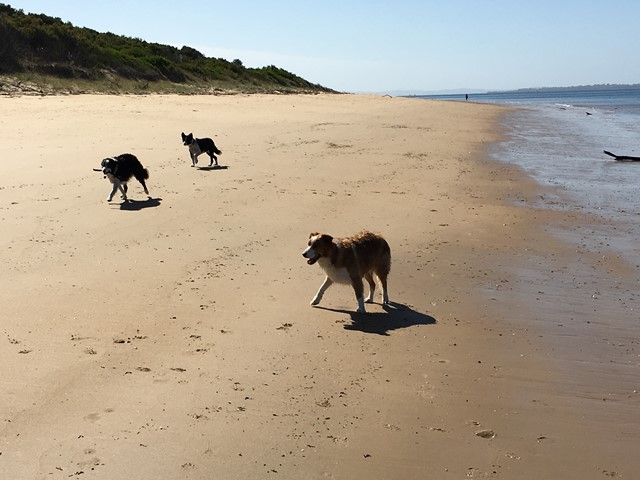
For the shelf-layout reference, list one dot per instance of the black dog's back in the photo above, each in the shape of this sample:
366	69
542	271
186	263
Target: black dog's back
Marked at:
208	146
130	166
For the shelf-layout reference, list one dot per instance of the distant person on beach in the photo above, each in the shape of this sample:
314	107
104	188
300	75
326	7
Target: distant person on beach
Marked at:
466	97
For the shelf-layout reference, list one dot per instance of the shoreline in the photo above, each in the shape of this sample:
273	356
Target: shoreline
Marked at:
217	366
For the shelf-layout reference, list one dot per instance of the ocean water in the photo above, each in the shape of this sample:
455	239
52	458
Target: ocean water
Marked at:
559	139
585	309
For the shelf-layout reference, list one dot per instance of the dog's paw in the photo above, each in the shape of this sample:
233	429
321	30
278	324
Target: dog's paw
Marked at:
109	199
361	310
315	301
368	300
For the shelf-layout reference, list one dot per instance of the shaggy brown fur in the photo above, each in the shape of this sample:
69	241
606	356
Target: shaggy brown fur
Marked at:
348	260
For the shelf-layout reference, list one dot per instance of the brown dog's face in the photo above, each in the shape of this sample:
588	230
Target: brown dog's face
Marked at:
319	246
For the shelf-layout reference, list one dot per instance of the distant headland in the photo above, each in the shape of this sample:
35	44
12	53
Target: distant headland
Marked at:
576	88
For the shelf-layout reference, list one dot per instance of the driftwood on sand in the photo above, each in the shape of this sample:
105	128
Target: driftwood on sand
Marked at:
623	158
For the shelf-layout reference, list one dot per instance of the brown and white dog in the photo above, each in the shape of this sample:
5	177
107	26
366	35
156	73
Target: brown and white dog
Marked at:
349	259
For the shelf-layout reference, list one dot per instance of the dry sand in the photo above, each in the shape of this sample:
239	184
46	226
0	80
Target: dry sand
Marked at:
172	337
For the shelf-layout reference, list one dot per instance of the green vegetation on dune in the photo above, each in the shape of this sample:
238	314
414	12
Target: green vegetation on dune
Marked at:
51	55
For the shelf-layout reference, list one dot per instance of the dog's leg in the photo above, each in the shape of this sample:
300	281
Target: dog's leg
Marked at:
358	288
372	287
114	189
385	293
123	189
213	158
194	159
323	288
144	185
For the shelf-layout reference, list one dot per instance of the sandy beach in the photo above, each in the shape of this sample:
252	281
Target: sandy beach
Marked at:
171	337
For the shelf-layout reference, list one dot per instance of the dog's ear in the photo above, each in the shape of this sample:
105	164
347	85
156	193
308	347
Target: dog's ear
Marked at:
183	135
313	234
326	238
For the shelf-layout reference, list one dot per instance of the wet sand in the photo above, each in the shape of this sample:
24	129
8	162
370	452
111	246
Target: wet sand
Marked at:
172	337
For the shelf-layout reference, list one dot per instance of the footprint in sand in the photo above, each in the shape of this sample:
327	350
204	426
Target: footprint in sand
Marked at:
87	460
92	417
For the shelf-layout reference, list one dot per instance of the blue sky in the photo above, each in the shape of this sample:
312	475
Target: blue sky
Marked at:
381	46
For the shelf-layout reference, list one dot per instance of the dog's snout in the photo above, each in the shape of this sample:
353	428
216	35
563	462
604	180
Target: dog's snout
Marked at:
309	253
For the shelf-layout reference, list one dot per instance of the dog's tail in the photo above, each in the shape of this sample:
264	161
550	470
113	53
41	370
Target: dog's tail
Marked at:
216	150
142	175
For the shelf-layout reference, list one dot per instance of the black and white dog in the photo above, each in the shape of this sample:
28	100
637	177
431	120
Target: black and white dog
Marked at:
120	169
198	146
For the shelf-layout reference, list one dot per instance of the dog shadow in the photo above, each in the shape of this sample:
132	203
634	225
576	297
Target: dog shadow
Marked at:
395	317
136	205
213	167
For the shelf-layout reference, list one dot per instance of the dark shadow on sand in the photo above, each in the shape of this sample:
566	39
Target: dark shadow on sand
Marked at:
213	167
395	317
135	205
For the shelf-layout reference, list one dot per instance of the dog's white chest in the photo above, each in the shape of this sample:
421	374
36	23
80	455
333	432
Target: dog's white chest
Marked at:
338	275
194	148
